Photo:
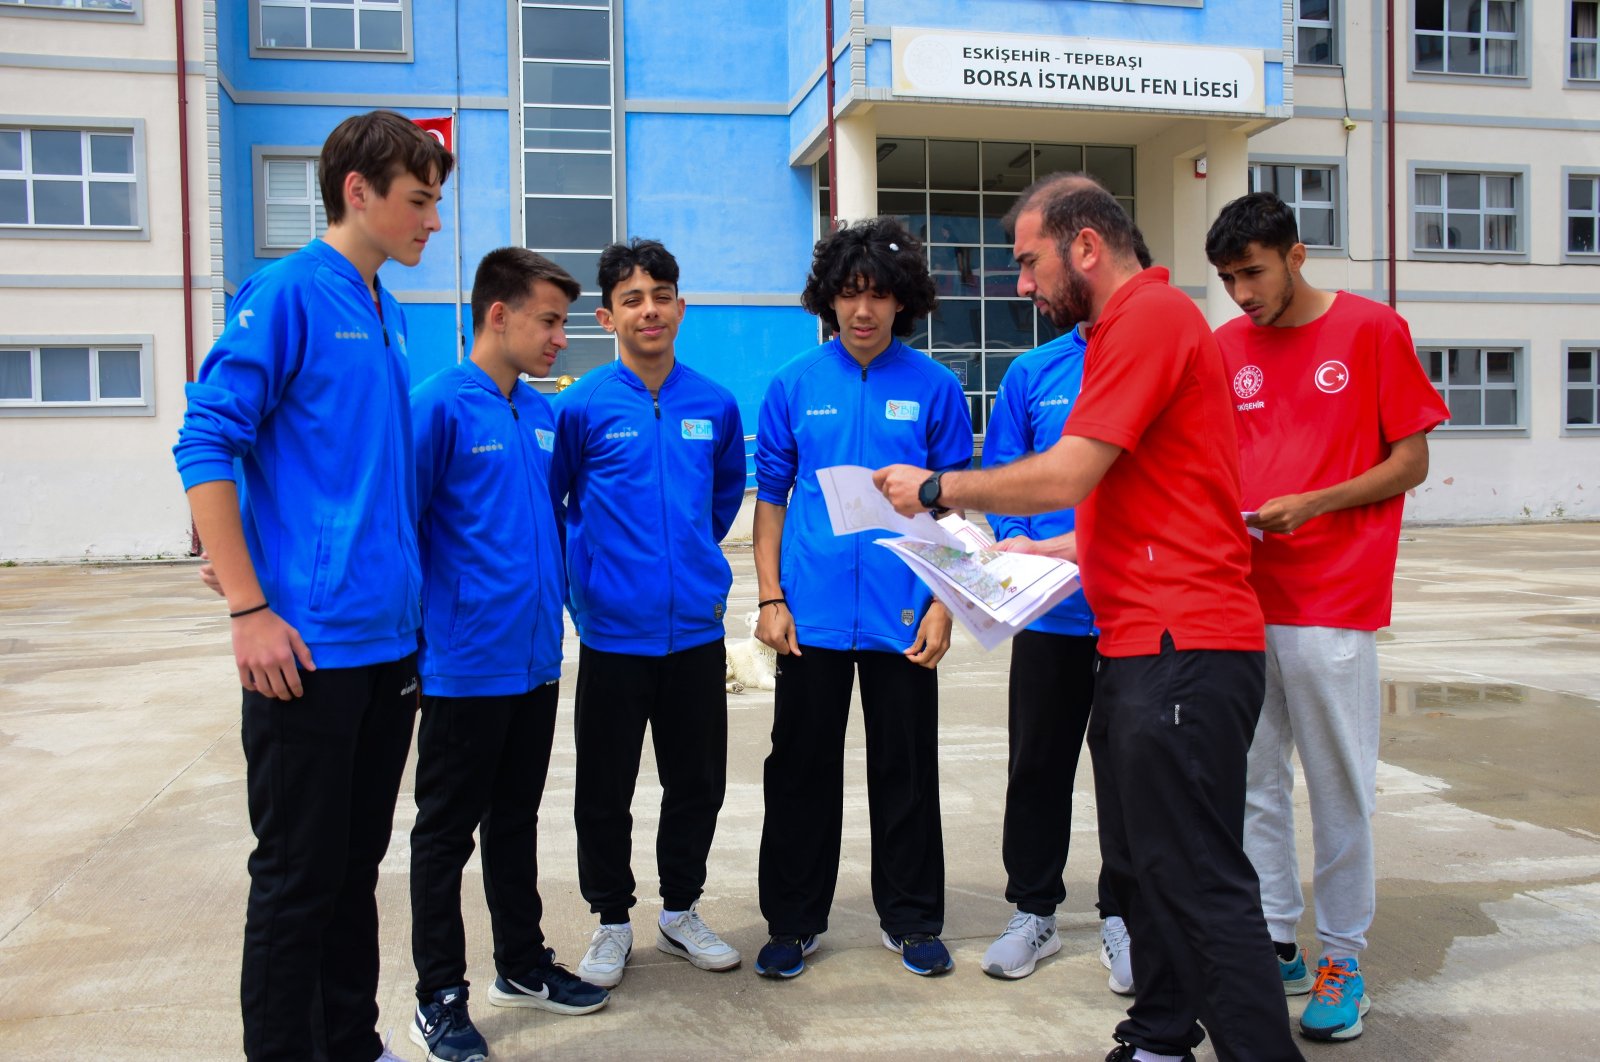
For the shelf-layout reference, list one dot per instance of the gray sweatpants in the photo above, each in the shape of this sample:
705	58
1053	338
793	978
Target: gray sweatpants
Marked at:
1322	699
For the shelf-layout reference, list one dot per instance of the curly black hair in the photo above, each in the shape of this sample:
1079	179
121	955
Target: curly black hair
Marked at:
619	260
879	253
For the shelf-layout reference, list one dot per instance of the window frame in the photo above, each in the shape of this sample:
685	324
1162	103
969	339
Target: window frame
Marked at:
144	406
1568	255
1340	195
132	17
140	230
1334	26
1523	78
406	54
1568	40
260	155
1568	347
1518	348
1481	169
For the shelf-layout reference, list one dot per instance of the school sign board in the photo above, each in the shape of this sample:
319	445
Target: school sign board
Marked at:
1077	71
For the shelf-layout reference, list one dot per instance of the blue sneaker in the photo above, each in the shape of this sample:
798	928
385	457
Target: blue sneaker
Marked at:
785	956
443	1028
1296	980
548	987
1338	1000
922	953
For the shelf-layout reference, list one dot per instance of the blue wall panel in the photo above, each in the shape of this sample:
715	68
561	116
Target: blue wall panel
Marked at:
717	191
741	347
726	50
430	338
1236	23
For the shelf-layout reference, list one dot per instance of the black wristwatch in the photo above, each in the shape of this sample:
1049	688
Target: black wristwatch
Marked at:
928	493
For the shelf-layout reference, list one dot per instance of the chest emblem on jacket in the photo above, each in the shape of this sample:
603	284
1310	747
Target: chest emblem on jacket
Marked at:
489	447
1331	377
1247	381
895	409
697	429
822	411
545	439
1058	400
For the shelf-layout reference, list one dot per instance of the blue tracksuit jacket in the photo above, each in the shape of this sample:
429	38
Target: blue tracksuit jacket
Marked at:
491	553
1030	409
307	389
650	487
824	409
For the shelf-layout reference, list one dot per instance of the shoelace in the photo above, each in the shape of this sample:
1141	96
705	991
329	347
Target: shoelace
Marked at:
1329	986
1021	925
1116	939
698	931
608	945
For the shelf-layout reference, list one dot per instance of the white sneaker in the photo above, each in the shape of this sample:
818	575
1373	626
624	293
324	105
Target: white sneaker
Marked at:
1116	952
608	953
1027	939
688	937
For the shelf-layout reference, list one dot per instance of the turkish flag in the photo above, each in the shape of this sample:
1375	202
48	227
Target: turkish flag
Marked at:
441	129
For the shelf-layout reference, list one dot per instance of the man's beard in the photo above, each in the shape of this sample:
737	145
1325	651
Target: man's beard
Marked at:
1071	302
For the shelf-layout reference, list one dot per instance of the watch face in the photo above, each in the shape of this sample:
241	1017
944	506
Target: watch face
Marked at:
928	493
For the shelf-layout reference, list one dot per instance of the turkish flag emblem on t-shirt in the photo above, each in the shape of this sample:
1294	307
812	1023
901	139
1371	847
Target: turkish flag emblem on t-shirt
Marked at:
441	129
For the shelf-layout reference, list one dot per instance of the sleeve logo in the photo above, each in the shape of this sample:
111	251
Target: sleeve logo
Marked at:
699	430
895	410
546	439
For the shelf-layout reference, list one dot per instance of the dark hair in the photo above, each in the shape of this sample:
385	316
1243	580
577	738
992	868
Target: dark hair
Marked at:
507	275
619	260
1259	217
880	252
1070	202
379	145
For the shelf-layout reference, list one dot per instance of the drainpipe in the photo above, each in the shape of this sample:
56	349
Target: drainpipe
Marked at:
183	192
833	154
1388	35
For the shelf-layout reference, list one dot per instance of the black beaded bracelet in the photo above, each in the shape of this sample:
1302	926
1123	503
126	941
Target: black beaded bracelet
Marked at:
772	601
247	611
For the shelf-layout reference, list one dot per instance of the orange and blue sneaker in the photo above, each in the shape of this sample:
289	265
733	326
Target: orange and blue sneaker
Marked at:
1338	1000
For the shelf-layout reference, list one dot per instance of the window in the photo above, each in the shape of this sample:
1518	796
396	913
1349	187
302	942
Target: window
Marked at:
75	376
569	196
1312	193
51	7
69	179
1583	40
289	210
1468	37
1582	399
1314	32
952	194
1456	211
378	26
1480	385
1583	215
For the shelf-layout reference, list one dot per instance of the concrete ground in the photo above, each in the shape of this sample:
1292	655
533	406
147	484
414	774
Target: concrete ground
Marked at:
123	829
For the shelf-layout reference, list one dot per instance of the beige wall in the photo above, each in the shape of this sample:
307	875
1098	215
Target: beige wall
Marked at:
96	485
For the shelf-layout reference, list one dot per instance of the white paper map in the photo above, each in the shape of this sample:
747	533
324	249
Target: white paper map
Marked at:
993	594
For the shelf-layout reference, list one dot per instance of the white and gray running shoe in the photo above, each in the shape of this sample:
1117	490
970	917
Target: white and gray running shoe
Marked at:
688	937
1116	955
607	956
1027	939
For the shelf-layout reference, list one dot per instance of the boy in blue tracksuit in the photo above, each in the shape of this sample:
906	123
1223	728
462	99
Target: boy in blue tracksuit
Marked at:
490	652
832	606
306	389
1052	680
649	463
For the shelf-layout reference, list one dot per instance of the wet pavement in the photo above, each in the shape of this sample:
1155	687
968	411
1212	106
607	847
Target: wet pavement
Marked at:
123	825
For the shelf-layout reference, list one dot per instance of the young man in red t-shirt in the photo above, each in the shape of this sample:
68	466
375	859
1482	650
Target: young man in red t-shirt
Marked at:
1333	409
1149	458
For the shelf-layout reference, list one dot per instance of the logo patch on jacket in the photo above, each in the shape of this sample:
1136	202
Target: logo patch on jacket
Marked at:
489	447
895	410
546	439
697	429
718	610
906	616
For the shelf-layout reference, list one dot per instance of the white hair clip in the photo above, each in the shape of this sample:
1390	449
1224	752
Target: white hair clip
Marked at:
894	247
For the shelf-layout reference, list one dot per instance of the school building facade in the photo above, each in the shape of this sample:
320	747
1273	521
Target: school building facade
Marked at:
705	123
